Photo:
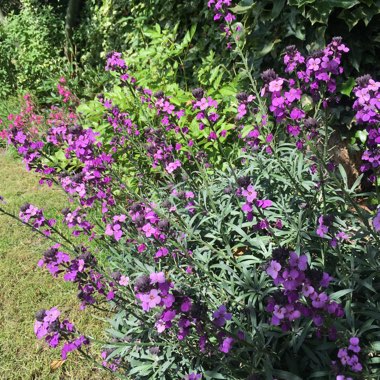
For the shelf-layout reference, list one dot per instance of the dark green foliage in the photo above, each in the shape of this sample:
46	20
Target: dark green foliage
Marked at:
159	29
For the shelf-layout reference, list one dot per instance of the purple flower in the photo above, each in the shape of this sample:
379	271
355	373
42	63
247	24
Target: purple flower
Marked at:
322	228
173	166
298	261
151	300
158	277
193	376
326	279
290	279
249	193
242	110
276	85
376	221
226	345
319	300
114	230
149	230
221	316
307	290
264	203
74	345
354	344
273	269
124	281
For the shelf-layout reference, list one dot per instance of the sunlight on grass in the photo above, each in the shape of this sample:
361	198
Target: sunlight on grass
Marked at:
25	288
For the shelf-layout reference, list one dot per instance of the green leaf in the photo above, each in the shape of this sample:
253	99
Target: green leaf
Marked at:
278	6
347	4
227	91
213	375
317	374
243	7
285	375
340	293
300	3
347	86
343	174
362	135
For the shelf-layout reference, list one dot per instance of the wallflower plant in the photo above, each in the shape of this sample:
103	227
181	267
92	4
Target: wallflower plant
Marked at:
219	232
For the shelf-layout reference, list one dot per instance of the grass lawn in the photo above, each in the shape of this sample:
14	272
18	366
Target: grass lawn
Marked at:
25	288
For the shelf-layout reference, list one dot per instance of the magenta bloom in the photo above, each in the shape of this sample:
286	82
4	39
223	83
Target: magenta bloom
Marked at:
273	269
173	166
158	277
354	344
264	203
250	194
276	85
193	376
319	300
151	300
376	221
72	346
114	230
226	345
149	230
221	316
307	290
124	281
242	110
298	261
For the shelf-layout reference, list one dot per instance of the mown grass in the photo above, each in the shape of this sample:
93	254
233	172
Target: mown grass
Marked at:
26	288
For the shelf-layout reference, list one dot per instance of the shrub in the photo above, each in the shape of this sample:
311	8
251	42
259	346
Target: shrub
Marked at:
29	43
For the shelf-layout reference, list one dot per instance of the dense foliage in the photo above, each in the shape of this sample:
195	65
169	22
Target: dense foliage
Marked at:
177	39
218	225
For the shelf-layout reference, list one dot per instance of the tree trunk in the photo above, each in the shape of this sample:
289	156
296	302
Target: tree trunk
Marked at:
72	16
2	17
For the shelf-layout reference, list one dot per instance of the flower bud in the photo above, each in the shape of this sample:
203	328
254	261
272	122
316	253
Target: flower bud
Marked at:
198	93
40	315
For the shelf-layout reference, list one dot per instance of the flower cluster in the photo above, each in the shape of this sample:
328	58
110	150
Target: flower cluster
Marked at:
367	107
245	101
112	363
311	79
155	291
81	270
325	222
48	326
148	222
76	219
114	229
23	133
348	357
223	16
193	376
206	113
253	206
302	292
35	216
64	92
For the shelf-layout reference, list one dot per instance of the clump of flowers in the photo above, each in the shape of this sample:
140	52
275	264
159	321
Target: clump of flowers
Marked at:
302	292
154	291
49	327
367	107
310	80
223	16
34	216
349	357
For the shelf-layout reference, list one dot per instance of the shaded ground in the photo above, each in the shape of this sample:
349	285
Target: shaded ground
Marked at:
25	288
